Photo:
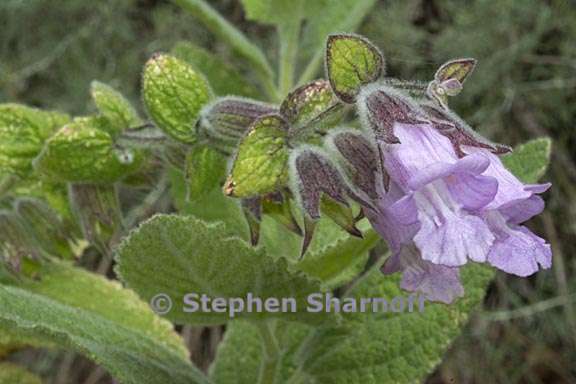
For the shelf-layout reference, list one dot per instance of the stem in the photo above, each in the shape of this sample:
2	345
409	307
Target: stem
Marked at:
289	34
236	39
312	68
270	354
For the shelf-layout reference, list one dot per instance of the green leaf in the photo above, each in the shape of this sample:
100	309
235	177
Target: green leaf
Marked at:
529	160
212	206
205	171
14	374
114	107
75	309
177	255
81	152
333	263
23	131
174	93
261	164
241	348
390	347
351	62
45	225
224	78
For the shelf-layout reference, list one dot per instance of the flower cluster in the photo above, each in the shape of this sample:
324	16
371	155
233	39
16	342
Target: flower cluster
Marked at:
435	190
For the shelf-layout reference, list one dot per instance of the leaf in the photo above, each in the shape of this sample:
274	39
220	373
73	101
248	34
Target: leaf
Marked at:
351	62
96	317
205	171
23	131
114	107
224	78
174	93
333	263
390	347
177	255
308	103
261	164
213	206
81	152
334	257
241	348
14	374
529	160
45	225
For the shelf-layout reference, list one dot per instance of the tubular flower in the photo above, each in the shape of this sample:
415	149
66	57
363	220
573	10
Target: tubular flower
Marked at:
441	201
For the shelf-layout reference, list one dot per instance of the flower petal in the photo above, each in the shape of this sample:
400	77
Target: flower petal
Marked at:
452	240
435	282
520	252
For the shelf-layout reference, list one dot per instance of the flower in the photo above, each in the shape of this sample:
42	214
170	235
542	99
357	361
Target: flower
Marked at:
446	201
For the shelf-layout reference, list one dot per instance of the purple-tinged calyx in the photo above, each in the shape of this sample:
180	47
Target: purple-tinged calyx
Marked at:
228	118
320	187
458	131
381	106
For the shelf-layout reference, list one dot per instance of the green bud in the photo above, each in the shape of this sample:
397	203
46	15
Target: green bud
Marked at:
81	152
23	131
174	94
114	107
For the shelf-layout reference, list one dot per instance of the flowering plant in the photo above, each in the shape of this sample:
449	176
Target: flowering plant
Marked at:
329	186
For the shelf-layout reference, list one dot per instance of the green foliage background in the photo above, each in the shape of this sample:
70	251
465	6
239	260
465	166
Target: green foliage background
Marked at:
523	87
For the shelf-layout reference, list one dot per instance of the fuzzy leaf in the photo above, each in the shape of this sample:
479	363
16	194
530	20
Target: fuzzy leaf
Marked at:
75	309
332	263
351	62
261	164
174	93
114	107
23	131
529	160
81	152
224	78
212	206
14	374
389	347
45	225
176	255
241	347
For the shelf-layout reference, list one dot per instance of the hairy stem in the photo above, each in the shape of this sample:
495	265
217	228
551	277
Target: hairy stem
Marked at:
228	33
270	354
289	34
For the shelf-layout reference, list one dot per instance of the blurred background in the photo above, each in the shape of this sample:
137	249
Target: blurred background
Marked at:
523	87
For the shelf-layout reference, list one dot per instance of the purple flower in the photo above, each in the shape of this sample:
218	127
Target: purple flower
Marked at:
444	203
